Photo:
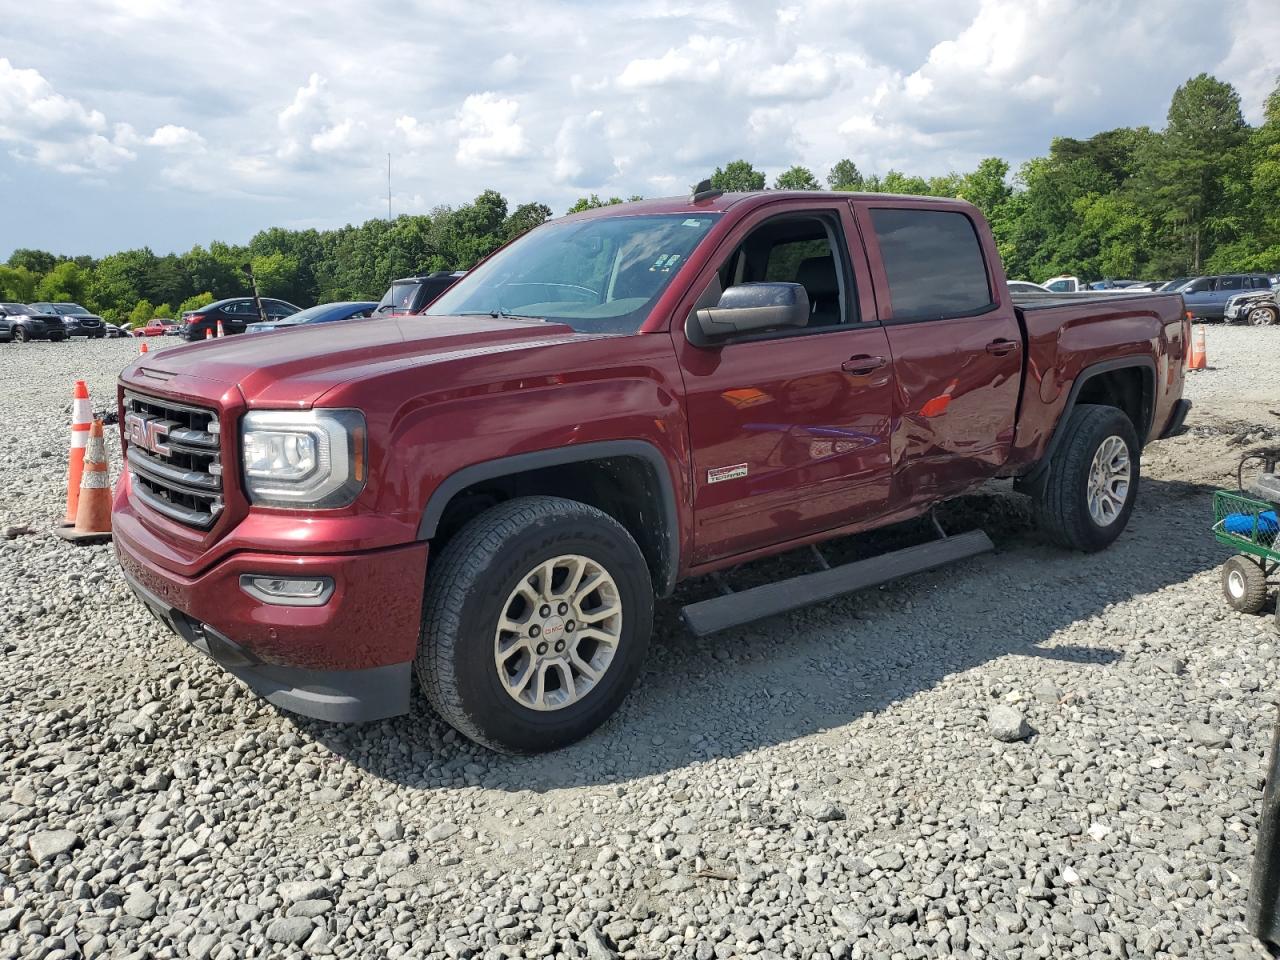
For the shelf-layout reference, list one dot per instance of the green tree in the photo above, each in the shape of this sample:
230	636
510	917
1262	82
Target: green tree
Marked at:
276	274
65	282
844	176
141	313
796	178
737	176
1183	169
38	262
17	283
195	303
164	310
986	188
524	218
591	203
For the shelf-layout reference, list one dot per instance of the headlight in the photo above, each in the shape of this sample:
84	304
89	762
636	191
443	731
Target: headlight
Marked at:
303	458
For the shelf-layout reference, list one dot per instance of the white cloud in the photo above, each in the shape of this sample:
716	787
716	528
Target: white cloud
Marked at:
489	130
624	100
173	137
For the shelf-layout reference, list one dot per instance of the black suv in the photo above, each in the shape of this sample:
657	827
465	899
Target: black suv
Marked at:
23	323
411	294
235	313
76	320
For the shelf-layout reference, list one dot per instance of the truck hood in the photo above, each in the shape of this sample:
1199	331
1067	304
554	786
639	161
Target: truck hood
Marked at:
296	368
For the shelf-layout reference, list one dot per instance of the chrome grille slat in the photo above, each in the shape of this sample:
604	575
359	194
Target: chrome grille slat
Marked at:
176	467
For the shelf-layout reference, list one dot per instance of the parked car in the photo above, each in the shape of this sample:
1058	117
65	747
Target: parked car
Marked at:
156	327
22	323
77	321
1068	284
616	401
324	313
1207	297
236	313
1258	308
115	331
1026	286
411	294
1172	286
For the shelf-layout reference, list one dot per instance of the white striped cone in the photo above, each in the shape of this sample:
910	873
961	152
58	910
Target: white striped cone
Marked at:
81	419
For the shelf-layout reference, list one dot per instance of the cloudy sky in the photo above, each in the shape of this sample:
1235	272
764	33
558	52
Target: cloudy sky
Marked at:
168	123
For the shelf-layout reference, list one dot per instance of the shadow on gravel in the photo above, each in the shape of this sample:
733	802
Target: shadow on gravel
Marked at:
816	669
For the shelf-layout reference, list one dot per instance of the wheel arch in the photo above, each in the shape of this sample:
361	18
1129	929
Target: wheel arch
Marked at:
627	479
1127	383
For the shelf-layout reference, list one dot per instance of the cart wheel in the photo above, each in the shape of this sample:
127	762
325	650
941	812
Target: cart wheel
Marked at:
1244	585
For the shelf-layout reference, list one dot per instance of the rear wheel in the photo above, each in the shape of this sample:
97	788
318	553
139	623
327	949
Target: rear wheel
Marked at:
535	623
1244	584
1093	479
1261	316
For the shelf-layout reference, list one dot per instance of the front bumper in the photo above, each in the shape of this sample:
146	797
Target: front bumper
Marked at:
348	660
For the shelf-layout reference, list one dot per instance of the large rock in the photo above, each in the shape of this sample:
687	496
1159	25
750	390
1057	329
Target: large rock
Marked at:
1007	724
49	844
290	929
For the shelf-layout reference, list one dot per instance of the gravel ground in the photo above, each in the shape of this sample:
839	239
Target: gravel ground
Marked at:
1033	754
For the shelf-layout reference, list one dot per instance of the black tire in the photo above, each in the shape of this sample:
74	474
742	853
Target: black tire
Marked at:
1244	584
1062	510
56	339
21	334
467	590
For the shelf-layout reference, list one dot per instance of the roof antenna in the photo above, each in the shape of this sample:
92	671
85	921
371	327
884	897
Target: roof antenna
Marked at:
704	191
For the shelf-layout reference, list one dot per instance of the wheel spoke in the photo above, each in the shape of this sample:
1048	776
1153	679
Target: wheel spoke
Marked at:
539	656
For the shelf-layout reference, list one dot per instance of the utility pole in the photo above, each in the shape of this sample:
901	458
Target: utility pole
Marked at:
388	188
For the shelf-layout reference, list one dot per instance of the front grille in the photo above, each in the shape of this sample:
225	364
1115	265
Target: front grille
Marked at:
174	455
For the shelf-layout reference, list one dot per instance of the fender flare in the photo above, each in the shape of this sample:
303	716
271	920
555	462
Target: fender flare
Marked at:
1032	482
643	450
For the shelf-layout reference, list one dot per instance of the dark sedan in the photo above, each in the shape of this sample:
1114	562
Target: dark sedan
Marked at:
235	313
324	313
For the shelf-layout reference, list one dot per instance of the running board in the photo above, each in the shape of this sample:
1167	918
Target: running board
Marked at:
735	609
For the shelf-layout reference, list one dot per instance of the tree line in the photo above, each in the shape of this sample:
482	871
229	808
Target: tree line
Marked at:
1202	195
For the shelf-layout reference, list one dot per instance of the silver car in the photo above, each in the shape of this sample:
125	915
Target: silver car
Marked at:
1258	308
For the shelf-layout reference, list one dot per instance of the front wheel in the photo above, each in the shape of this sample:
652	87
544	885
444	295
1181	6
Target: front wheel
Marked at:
1093	479
1244	584
22	335
535	623
1261	316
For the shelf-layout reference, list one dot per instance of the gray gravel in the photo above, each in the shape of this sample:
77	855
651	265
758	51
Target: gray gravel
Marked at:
825	784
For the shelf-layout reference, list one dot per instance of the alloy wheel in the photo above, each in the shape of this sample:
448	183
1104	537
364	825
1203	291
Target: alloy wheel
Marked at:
1109	478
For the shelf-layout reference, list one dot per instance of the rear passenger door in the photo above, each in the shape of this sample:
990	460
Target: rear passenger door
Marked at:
956	344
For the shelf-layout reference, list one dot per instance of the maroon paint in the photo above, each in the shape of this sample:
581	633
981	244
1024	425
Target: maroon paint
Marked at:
829	451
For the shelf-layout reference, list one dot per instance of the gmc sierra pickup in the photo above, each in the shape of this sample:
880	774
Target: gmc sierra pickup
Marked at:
489	495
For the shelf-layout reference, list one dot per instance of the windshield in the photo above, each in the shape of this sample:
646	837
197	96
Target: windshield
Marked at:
18	308
71	310
398	297
597	276
307	315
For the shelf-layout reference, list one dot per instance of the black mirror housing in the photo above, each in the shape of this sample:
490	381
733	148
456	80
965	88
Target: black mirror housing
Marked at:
751	308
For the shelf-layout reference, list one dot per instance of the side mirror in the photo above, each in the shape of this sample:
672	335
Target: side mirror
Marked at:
752	307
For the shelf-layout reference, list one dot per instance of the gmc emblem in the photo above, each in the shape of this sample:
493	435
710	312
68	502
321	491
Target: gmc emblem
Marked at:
147	433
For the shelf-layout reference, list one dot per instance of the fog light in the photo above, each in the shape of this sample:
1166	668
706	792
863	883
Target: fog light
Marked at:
288	591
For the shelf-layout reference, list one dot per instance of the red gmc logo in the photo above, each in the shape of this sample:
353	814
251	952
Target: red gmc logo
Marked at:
147	432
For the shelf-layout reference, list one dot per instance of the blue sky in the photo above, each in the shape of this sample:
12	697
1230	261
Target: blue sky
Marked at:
166	123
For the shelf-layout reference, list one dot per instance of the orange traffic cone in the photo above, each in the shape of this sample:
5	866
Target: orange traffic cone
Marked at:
221	333
93	512
143	347
1199	359
208	334
81	417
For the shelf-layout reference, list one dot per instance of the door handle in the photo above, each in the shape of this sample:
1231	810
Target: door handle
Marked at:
862	364
1002	347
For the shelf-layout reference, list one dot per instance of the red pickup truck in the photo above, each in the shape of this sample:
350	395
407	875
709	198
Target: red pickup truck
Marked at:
490	494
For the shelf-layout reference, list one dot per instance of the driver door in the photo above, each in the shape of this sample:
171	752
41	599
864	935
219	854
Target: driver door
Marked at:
789	429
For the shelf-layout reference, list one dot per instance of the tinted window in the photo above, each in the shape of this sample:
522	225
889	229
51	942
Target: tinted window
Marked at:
933	262
1060	286
1229	283
1203	285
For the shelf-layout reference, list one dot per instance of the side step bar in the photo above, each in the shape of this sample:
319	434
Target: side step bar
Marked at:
735	609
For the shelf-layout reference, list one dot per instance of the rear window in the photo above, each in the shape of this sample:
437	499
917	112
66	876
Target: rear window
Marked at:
933	263
399	297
